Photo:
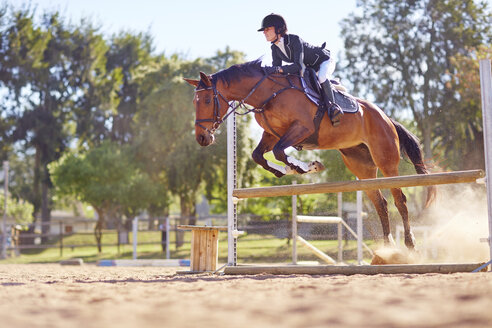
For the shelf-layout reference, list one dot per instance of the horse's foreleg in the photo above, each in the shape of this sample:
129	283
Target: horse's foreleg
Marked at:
266	144
296	134
300	167
293	166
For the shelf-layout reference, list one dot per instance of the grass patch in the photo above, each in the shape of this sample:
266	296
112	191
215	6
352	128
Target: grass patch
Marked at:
251	249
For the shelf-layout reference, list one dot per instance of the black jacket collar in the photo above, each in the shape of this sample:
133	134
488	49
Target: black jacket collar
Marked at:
286	44
286	40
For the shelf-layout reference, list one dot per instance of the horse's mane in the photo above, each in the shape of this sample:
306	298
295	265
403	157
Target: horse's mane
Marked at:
236	72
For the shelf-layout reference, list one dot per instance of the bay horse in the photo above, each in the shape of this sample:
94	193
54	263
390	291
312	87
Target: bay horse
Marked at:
368	140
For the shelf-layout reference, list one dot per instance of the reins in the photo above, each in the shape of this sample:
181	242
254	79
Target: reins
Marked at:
217	120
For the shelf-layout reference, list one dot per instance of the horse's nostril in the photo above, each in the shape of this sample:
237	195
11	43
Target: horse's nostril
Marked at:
202	139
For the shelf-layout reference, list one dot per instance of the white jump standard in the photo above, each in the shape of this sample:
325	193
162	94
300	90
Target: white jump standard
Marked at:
325	220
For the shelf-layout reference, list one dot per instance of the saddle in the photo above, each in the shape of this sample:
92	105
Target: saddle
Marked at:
312	90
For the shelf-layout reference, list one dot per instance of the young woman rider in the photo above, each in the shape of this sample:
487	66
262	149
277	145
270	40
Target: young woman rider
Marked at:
299	54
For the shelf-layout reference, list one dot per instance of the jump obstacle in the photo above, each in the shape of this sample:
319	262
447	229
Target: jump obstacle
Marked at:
204	247
368	184
486	91
234	194
328	220
351	270
325	220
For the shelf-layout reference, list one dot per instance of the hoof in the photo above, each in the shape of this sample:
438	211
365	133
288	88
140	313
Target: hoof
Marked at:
289	171
299	170
389	241
410	240
278	174
390	255
316	166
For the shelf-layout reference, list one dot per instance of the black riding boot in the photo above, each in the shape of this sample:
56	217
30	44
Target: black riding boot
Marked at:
335	112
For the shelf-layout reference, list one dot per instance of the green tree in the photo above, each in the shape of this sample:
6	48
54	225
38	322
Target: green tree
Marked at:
18	209
129	57
461	134
51	65
42	70
6	79
91	113
167	147
399	52
108	178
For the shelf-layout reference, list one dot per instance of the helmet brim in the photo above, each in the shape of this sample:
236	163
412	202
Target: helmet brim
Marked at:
262	29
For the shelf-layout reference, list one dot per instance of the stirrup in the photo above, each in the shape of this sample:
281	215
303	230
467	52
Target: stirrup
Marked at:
335	114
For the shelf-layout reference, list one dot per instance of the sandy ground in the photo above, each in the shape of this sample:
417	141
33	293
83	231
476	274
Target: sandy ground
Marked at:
89	296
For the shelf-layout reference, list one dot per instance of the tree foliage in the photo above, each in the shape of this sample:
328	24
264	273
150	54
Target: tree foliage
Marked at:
108	178
399	53
48	69
461	134
19	210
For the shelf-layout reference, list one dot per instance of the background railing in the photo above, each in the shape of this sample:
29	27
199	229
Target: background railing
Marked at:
160	238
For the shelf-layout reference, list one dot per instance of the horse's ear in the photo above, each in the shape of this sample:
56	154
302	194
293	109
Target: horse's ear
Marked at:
192	82
205	79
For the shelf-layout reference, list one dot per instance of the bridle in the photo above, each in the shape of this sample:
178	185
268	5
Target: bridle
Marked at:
216	120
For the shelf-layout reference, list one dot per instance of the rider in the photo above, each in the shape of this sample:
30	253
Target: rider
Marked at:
291	48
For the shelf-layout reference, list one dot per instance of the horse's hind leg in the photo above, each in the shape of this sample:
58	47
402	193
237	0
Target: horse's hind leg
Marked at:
359	161
401	205
387	159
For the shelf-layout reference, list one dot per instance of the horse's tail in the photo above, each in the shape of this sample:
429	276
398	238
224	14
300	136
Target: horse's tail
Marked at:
410	146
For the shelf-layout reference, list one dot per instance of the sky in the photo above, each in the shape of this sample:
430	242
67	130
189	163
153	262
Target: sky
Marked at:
195	28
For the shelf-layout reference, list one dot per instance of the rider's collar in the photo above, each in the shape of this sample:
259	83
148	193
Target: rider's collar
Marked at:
281	46
280	41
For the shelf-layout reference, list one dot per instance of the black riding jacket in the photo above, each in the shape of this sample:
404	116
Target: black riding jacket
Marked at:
298	51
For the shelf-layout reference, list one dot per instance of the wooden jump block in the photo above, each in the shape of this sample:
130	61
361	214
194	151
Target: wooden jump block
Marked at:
204	247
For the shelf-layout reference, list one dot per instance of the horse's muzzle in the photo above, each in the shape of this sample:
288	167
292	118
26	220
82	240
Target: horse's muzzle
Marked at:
205	139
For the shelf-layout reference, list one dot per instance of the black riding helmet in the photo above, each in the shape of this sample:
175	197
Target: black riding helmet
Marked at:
274	20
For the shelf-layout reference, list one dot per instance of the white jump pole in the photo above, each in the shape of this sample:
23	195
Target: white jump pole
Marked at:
486	90
294	227
339	228
135	238
4	221
168	227
231	185
360	230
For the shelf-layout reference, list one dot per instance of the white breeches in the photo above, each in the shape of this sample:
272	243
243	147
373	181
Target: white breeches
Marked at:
326	69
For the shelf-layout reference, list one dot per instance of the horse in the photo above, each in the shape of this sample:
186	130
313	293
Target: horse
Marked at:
368	140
